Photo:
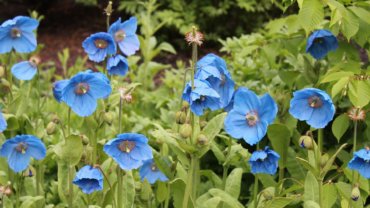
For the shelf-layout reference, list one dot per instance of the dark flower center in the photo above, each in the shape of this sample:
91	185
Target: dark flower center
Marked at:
153	167
15	32
82	88
319	40
315	102
252	118
126	146
21	147
100	43
223	79
119	35
202	98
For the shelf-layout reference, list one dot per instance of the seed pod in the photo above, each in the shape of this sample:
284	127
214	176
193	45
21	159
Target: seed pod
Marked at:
324	159
306	142
180	117
355	194
50	128
202	140
108	117
185	130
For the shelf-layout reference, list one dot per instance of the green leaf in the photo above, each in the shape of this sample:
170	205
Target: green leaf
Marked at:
307	165
340	126
233	182
339	86
70	151
294	168
334	76
12	122
311	188
363	14
161	192
226	198
279	136
311	14
278	202
330	162
329	195
311	204
31	201
128	189
359	92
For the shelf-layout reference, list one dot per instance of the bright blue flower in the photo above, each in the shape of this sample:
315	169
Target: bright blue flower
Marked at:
17	33
89	179
24	70
99	45
361	162
320	43
117	65
19	150
250	116
125	35
129	150
313	106
264	161
82	91
151	172
3	123
213	69
202	97
58	87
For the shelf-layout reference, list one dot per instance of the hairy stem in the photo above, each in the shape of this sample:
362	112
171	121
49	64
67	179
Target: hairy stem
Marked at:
255	190
119	188
70	187
320	180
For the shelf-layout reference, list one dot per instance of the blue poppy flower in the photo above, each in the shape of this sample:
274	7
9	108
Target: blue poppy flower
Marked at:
264	161
89	179
3	123
125	35
82	91
250	116
58	87
24	70
129	150
99	45
313	106
151	172
19	150
117	65
361	162
202	97
320	43
213	69
17	34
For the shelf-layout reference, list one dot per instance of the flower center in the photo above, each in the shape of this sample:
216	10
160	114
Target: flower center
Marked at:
21	147
126	146
100	43
119	35
15	32
252	118
315	102
319	40
202	98
223	79
82	88
153	167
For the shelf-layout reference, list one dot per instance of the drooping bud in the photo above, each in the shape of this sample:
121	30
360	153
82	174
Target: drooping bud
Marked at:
306	142
85	140
50	128
185	130
28	172
108	117
267	195
355	194
180	117
202	140
324	159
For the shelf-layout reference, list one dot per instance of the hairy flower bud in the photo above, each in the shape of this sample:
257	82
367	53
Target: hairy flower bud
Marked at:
50	128
180	117
185	105
185	130
108	117
306	142
202	140
355	194
324	159
85	140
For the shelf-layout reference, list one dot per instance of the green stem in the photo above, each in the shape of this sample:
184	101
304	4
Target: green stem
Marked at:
166	203
120	115
109	184
354	150
69	122
70	187
226	167
95	147
38	174
17	196
255	190
320	180
189	183
119	188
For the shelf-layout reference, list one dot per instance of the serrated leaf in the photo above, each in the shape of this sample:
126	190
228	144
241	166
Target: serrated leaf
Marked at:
340	126
226	198
311	14
279	135
278	202
233	182
70	150
329	195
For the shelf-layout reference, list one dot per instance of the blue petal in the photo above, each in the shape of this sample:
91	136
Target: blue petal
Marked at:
99	88
129	45
268	109
129	26
117	65
36	147
3	124
5	41
24	70
246	101
97	54
18	162
321	116
26	23
26	43
58	87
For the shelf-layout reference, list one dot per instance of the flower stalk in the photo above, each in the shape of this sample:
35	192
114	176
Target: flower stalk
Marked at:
255	190
320	180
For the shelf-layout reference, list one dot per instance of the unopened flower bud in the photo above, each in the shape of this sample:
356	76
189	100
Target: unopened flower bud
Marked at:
5	83
355	194
267	195
324	159
28	173
8	191
108	10
202	140
108	117
2	71
203	124
306	142
85	140
185	130
180	117
185	105
50	128
55	119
